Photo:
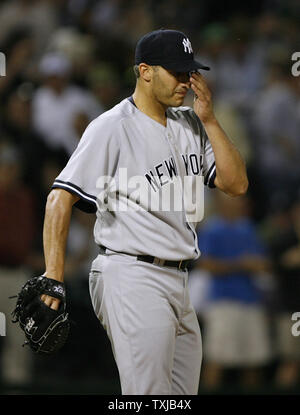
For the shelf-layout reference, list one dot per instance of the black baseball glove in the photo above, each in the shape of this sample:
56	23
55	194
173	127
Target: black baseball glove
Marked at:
46	330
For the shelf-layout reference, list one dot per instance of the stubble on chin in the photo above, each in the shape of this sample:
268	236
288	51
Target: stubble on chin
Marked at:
178	101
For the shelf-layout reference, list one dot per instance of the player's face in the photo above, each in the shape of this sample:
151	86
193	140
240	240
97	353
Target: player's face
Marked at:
169	88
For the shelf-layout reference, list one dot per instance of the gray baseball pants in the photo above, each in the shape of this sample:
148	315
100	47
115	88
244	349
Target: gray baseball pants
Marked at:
152	326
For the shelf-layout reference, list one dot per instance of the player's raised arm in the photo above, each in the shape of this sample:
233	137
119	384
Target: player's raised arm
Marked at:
231	176
56	227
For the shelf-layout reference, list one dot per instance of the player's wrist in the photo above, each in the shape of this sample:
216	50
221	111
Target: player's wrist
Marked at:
210	121
53	276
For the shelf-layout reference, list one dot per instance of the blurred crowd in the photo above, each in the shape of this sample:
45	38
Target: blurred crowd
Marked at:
68	61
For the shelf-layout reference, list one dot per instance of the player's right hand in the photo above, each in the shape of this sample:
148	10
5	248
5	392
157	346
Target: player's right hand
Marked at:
203	106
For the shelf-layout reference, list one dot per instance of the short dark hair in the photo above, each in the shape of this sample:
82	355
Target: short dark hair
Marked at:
137	71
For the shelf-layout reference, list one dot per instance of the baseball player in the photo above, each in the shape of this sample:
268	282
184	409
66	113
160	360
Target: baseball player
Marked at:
138	282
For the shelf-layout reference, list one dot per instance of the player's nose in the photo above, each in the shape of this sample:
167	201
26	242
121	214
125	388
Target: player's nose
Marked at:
184	78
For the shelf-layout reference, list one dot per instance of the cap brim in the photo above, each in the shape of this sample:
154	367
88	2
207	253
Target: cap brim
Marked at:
185	66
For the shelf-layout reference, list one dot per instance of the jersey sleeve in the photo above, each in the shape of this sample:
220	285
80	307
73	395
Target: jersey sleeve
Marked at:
95	156
209	166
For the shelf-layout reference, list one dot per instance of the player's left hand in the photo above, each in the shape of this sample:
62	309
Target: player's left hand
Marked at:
203	106
46	328
50	301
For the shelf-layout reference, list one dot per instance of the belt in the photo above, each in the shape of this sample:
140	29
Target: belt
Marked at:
157	261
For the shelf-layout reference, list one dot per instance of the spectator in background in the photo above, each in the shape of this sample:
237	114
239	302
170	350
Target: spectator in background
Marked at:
39	16
91	15
18	49
104	82
17	125
58	103
237	69
136	21
17	219
17	210
235	325
79	48
212	43
276	126
282	234
270	29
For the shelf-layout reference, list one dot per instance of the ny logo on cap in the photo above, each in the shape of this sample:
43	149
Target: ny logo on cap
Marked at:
187	45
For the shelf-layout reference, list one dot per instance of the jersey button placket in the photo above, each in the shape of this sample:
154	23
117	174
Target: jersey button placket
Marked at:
177	156
171	140
177	152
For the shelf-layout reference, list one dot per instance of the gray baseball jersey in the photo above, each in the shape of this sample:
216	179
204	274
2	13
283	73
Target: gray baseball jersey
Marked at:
125	140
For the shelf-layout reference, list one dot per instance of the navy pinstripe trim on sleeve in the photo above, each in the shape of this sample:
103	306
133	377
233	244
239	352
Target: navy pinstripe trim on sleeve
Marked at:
209	179
87	203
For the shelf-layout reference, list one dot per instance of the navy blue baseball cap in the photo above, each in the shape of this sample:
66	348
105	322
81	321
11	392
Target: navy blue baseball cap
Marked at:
170	49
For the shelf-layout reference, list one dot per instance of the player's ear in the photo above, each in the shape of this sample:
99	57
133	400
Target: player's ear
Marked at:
145	72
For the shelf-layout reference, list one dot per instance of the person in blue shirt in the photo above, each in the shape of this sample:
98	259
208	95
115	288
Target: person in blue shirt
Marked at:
235	325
